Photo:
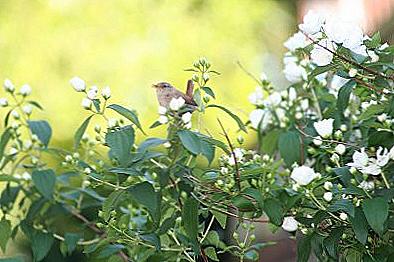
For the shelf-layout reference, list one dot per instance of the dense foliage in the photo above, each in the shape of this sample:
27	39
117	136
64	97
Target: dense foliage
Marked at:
324	166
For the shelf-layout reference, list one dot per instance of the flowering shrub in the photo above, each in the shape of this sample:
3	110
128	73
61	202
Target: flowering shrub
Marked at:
324	166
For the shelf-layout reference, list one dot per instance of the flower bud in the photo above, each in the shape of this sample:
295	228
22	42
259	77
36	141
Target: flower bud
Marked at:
343	128
352	72
3	102
27	109
86	103
78	84
15	114
240	140
106	92
25	90
97	128
8	86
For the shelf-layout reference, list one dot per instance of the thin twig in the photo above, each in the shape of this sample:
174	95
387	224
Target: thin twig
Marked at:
238	174
369	70
326	140
248	73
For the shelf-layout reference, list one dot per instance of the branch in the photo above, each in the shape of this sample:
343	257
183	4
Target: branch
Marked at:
237	173
248	73
369	70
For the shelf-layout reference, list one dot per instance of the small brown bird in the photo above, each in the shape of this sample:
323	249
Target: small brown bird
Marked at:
166	92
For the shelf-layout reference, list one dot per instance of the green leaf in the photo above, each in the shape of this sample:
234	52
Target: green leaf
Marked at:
211	253
190	141
110	203
153	239
196	145
221	218
290	147
44	181
320	70
5	233
376	211
71	240
151	142
129	114
235	117
274	210
42	130
121	142
145	195
269	142
81	131
35	104
190	218
252	255
304	248
344	95
371	111
40	242
5	137
352	255
360	225
209	91
243	204
342	205
332	241
12	259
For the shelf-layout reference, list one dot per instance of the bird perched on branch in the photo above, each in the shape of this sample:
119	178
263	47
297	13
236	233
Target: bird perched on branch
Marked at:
166	92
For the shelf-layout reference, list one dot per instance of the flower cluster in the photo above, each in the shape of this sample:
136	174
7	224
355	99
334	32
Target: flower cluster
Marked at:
174	114
91	93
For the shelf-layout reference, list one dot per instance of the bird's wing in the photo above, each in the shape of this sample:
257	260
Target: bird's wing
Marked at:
188	99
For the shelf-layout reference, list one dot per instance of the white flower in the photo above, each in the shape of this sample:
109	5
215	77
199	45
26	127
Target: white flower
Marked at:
304	104
360	159
167	144
106	92
292	94
8	86
382	158
257	97
188	125
25	90
382	117
162	110
343	216
27	109
273	99
317	141
176	103
87	171
372	168
92	92
384	46
312	22
352	72
303	175
260	116
367	185
319	55
340	149
294	73
298	40
374	57
15	114
86	103
239	153
112	122
327	196
163	119
327	185
26	176
391	153
224	170
3	102
186	117
78	84
290	224
27	144
324	127
13	151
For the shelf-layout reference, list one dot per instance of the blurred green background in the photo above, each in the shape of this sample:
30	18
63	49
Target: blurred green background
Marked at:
129	45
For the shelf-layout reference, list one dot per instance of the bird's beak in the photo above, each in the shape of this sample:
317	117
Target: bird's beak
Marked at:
155	86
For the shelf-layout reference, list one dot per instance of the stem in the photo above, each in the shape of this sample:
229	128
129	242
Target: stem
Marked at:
237	173
207	230
386	182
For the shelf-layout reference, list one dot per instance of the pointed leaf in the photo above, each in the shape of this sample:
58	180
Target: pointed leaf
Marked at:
130	115
234	116
42	130
376	211
44	181
81	131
